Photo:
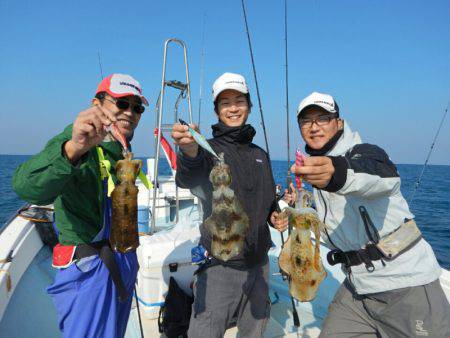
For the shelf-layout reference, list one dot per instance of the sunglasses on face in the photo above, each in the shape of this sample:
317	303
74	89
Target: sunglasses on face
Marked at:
123	104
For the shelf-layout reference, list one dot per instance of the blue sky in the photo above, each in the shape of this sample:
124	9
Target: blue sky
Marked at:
387	63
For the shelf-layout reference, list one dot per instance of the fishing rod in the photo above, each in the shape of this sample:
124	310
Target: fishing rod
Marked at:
288	143
202	66
287	89
136	298
256	81
411	196
288	176
100	64
135	292
295	316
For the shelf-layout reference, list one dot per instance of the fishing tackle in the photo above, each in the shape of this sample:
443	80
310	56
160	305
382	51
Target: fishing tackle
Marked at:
299	161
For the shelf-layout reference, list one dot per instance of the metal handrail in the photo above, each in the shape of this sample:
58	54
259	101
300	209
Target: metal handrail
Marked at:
159	113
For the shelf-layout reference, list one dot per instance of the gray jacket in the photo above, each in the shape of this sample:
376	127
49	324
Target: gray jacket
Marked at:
365	176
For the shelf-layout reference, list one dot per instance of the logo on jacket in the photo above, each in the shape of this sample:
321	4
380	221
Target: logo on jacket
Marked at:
259	160
420	331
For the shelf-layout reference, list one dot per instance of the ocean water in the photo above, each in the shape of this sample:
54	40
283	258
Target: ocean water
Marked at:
431	204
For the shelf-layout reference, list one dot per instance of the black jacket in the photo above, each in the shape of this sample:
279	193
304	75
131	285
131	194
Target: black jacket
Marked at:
252	182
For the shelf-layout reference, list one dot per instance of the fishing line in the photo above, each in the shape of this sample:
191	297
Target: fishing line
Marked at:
411	196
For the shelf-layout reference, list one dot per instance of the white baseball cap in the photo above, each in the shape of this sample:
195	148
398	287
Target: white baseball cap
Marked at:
323	101
120	85
229	81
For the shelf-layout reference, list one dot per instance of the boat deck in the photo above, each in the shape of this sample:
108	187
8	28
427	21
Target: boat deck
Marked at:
281	313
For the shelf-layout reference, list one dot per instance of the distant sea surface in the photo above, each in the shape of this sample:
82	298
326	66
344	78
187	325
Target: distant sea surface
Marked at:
431	204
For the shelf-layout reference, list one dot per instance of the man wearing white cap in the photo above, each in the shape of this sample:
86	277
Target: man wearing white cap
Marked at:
235	291
93	287
392	287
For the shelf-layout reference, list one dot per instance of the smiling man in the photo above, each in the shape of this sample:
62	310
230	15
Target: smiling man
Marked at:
392	287
93	287
235	291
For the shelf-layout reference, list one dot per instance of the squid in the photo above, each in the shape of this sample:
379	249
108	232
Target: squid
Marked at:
124	235
300	258
228	223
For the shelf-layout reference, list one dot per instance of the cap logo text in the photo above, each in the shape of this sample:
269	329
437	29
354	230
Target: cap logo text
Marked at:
238	82
122	83
324	102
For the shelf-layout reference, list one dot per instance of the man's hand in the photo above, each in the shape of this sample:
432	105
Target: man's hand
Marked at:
279	221
316	170
183	138
88	131
290	197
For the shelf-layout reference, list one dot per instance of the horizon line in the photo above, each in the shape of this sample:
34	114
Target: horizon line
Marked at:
273	159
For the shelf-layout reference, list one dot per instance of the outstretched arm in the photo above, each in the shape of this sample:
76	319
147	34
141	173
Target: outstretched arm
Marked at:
365	171
193	164
43	178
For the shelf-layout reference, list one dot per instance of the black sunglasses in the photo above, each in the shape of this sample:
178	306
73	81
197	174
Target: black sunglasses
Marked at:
123	104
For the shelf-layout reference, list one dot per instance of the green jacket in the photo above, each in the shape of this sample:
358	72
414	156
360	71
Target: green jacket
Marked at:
75	191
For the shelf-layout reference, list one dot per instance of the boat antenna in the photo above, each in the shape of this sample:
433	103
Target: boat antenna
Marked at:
416	185
256	81
100	64
202	66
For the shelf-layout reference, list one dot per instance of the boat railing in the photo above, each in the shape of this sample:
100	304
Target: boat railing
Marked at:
184	92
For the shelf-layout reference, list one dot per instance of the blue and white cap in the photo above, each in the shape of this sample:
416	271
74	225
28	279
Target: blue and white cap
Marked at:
323	101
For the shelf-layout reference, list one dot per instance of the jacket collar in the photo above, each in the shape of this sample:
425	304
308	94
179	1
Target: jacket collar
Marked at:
327	147
242	135
339	143
347	141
